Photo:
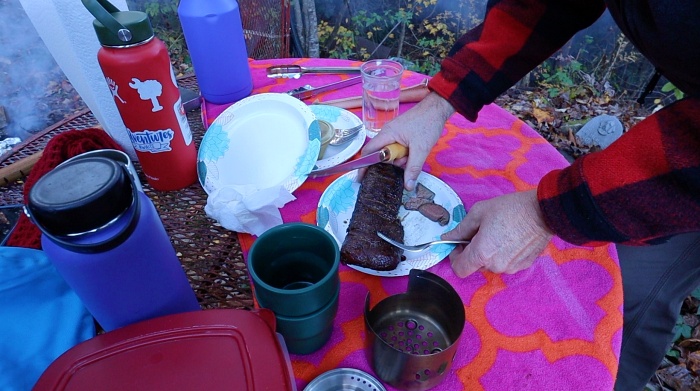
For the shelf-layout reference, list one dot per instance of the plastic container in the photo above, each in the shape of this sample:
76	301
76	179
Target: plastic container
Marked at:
214	35
222	349
138	72
107	241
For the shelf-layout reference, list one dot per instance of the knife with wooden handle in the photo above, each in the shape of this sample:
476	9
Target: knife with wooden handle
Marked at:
387	154
296	71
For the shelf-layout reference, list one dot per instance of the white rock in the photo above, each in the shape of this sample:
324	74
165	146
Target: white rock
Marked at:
602	130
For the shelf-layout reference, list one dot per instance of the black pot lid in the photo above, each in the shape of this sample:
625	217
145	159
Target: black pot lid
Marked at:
80	196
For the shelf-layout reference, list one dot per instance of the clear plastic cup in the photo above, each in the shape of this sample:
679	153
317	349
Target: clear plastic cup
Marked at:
381	86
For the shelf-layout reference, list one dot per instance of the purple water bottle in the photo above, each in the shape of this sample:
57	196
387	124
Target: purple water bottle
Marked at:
214	35
106	239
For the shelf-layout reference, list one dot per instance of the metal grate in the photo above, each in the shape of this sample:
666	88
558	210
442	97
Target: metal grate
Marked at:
266	26
210	254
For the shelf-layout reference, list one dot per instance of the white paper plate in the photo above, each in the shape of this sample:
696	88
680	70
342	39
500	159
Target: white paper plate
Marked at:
338	202
340	119
263	140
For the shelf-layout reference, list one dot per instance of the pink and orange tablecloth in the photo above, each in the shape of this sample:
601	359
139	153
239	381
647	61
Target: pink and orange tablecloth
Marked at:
554	326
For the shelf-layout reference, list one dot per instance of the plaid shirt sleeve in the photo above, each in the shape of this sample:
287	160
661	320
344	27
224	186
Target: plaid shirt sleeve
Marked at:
515	37
644	187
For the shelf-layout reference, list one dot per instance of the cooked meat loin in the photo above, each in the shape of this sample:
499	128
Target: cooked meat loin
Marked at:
376	209
435	212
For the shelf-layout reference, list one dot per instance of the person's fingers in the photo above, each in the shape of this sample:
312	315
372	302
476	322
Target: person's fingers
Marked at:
507	234
379	141
410	176
414	166
466	228
400	162
462	264
361	173
373	145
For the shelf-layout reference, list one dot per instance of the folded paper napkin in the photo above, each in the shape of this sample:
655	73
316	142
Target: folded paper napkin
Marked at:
245	208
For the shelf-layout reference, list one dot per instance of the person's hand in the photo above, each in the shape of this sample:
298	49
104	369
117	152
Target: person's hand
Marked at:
418	129
507	234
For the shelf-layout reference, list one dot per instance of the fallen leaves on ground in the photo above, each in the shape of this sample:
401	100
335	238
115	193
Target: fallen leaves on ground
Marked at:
558	118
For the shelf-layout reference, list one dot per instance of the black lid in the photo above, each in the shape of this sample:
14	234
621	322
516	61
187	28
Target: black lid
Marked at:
80	195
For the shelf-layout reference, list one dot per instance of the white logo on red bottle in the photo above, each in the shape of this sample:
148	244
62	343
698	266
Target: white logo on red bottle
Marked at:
153	141
114	89
148	90
182	120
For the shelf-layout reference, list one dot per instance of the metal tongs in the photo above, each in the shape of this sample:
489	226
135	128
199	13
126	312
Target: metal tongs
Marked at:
295	71
308	91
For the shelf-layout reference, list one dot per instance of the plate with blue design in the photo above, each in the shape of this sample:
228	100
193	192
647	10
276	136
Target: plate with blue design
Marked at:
264	140
340	119
337	204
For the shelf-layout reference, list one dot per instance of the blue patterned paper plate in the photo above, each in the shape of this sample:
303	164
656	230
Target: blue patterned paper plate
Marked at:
263	140
338	202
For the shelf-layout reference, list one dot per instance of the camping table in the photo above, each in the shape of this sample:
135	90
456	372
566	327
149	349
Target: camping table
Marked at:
554	326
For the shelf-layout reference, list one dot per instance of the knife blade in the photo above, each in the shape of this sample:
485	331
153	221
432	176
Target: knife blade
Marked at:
387	154
307	91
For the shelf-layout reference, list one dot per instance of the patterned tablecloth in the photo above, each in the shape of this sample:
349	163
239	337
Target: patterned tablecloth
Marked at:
554	326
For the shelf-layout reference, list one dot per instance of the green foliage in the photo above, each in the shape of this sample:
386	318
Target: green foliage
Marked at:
343	40
415	31
678	94
682	331
586	67
561	78
166	26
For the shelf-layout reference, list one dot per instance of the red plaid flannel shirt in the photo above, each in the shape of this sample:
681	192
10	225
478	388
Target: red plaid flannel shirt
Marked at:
646	185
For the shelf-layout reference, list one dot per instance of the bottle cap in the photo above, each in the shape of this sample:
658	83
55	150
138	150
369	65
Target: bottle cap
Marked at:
80	196
118	28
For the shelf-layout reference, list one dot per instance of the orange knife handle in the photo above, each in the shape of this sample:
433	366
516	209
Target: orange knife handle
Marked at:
393	151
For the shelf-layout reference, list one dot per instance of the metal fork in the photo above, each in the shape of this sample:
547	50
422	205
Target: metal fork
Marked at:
342	136
422	246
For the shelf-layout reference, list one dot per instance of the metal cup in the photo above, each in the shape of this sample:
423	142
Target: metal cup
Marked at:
412	337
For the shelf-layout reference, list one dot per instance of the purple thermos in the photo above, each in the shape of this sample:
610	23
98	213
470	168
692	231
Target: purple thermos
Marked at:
106	239
214	35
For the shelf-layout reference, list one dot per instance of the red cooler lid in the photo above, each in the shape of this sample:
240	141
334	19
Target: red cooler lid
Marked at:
222	349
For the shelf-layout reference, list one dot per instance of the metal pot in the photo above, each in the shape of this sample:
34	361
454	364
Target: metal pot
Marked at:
412	337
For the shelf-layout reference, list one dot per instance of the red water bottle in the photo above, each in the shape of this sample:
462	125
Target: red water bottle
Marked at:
137	68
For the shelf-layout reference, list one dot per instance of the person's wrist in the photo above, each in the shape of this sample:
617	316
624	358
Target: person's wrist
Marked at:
439	105
537	213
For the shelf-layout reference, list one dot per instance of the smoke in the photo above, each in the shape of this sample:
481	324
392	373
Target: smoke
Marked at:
28	74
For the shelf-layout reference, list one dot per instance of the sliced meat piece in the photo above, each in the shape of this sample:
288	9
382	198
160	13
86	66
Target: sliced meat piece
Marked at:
435	212
424	192
414	203
376	209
